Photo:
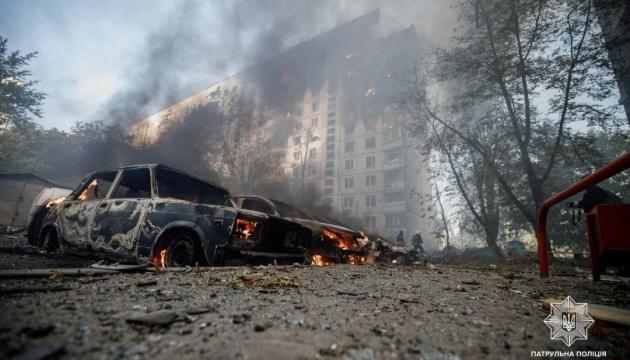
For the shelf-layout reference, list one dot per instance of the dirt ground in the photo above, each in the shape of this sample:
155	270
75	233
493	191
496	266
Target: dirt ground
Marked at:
422	311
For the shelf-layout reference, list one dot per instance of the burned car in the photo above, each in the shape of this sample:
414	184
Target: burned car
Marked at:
160	214
331	243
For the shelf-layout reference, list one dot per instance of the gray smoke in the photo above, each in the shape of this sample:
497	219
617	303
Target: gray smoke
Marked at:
202	43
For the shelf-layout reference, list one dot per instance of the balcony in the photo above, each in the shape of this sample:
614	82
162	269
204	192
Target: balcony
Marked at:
393	207
394	186
393	164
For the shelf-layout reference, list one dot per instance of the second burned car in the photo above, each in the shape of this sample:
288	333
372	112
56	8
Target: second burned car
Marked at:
331	243
160	214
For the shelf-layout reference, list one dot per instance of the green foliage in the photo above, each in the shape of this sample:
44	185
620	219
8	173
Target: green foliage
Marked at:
19	100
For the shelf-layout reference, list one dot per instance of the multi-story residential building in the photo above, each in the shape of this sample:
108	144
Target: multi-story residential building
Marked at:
330	103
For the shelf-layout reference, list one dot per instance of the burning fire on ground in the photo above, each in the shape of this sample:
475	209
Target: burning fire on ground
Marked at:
160	259
340	247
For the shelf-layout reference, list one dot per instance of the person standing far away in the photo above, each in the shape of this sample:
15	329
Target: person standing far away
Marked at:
400	238
416	241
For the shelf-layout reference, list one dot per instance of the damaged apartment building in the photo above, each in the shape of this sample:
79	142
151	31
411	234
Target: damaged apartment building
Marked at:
329	103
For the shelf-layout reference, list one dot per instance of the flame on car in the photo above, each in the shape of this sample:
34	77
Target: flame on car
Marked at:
245	228
341	247
56	201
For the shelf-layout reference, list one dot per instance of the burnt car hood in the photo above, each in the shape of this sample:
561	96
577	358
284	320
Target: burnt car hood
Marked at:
315	226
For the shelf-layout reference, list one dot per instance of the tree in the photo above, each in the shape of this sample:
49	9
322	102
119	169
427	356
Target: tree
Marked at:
543	62
19	100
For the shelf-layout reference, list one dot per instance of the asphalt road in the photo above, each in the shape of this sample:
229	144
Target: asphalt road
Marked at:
423	311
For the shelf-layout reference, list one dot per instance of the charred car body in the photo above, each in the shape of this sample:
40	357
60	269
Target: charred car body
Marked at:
160	214
331	243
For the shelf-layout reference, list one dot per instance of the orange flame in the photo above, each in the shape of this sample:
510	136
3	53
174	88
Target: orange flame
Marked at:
163	259
245	229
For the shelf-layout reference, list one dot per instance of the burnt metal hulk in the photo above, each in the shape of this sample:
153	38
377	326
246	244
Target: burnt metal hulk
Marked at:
156	213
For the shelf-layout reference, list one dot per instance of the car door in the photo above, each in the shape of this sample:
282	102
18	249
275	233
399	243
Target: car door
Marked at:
117	219
76	214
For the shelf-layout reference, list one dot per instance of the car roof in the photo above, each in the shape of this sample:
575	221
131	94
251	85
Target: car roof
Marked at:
161	166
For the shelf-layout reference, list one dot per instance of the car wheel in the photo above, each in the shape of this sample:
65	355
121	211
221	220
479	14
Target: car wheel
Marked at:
181	251
48	240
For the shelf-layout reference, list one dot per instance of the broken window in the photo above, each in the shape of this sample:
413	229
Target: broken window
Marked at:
257	205
370	161
176	185
134	184
97	187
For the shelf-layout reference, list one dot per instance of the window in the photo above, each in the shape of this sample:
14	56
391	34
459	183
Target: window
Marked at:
331	122
393	176
349	129
370	180
370	201
134	184
97	187
315	106
173	184
393	154
297	140
348	202
330	164
348	183
330	147
370	161
257	205
394	197
331	115
391	134
330	139
297	156
370	142
328	182
331	130
310	170
330	155
349	147
329	172
328	191
312	153
394	221
314	122
370	222
349	164
328	201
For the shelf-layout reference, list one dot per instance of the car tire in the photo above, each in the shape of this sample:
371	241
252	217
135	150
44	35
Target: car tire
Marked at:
181	251
48	241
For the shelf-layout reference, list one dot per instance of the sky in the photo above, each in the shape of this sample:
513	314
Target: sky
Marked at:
101	60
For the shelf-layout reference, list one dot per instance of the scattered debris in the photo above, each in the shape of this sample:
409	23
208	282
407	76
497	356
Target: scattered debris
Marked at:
267	279
158	318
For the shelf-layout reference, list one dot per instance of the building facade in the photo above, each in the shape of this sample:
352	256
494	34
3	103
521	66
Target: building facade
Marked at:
330	106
